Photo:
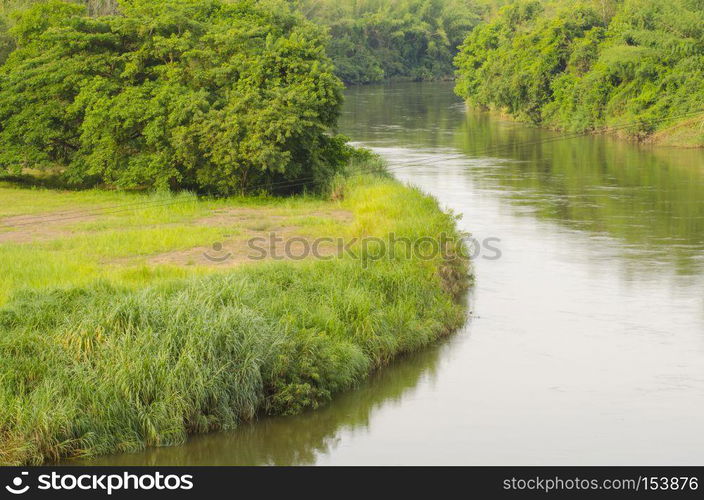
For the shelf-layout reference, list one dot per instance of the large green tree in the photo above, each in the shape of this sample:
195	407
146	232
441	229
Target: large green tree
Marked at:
215	96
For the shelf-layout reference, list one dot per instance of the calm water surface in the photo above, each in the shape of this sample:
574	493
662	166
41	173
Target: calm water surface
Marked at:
586	344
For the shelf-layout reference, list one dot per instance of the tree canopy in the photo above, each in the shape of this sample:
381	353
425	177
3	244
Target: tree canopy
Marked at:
373	40
581	65
214	96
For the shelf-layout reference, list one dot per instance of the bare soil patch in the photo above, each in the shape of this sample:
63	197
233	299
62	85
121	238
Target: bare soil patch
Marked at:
48	226
266	235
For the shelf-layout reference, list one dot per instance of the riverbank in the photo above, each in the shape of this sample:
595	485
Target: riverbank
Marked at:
687	133
633	70
105	349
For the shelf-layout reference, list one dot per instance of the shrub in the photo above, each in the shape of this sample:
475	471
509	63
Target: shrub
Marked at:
207	95
635	65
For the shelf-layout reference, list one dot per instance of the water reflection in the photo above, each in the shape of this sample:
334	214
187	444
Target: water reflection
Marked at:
650	199
300	439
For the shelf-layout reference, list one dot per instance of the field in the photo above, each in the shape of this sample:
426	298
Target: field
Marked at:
122	328
51	237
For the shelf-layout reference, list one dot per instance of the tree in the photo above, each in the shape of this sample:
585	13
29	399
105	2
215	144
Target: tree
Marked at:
634	65
207	95
377	39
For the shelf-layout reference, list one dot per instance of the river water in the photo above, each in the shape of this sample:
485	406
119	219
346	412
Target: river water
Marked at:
586	344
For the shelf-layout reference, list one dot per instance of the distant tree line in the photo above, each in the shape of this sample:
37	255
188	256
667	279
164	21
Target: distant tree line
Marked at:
581	65
228	96
369	40
374	40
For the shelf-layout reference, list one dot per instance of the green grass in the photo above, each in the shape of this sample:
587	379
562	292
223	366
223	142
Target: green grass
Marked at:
96	229
100	358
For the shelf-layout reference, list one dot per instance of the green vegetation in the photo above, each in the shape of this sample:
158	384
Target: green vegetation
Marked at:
115	365
294	439
11	10
632	66
115	332
373	40
205	95
369	40
116	233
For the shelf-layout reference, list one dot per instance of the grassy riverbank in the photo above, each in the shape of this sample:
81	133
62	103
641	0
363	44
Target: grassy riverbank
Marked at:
116	337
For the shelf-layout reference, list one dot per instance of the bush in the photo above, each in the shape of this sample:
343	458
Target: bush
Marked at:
206	95
635	65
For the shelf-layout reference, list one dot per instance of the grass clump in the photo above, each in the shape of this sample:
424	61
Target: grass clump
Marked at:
104	367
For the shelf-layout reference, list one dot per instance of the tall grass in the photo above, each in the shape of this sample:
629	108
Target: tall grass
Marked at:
102	368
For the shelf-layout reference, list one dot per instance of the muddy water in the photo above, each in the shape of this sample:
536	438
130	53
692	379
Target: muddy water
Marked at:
587	341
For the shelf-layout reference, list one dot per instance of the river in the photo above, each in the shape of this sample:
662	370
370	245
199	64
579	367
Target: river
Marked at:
586	342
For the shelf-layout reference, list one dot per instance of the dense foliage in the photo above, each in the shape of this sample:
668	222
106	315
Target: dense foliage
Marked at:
372	40
636	65
105	367
207	95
